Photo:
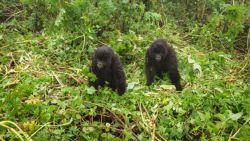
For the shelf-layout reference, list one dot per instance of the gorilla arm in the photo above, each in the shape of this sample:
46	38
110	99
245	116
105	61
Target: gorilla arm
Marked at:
149	69
119	75
172	67
94	70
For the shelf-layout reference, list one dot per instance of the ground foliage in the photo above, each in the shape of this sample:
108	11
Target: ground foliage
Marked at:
45	47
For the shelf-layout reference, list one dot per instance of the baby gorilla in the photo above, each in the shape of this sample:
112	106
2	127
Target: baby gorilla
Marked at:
107	67
161	58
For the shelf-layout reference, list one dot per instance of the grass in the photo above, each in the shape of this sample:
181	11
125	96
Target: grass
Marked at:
44	93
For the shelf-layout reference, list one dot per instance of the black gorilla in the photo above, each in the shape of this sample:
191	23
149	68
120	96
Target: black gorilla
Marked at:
107	67
161	58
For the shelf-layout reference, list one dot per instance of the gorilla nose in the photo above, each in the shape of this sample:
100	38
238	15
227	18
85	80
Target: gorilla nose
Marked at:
158	58
100	65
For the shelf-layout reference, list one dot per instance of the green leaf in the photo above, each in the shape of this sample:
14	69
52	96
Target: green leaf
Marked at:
197	67
190	60
90	90
235	116
131	85
59	18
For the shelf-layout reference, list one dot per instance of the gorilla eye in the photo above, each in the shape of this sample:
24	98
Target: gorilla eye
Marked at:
105	59
101	58
157	51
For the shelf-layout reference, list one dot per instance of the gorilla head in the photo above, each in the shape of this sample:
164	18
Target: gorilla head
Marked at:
103	56
158	50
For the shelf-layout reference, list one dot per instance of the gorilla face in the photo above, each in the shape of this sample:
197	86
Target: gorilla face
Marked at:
102	63
159	52
103	57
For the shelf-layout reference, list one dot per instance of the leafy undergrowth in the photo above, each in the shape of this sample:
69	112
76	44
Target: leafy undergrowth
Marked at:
44	91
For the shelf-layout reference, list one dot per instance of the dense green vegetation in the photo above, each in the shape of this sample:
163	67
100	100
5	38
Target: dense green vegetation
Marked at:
45	50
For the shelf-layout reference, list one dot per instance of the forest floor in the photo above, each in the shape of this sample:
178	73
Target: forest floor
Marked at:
44	92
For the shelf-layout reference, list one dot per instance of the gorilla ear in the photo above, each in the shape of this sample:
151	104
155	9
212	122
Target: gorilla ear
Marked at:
166	50
150	52
113	59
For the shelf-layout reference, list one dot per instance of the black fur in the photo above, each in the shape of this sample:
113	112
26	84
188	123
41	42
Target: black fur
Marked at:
167	64
112	72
